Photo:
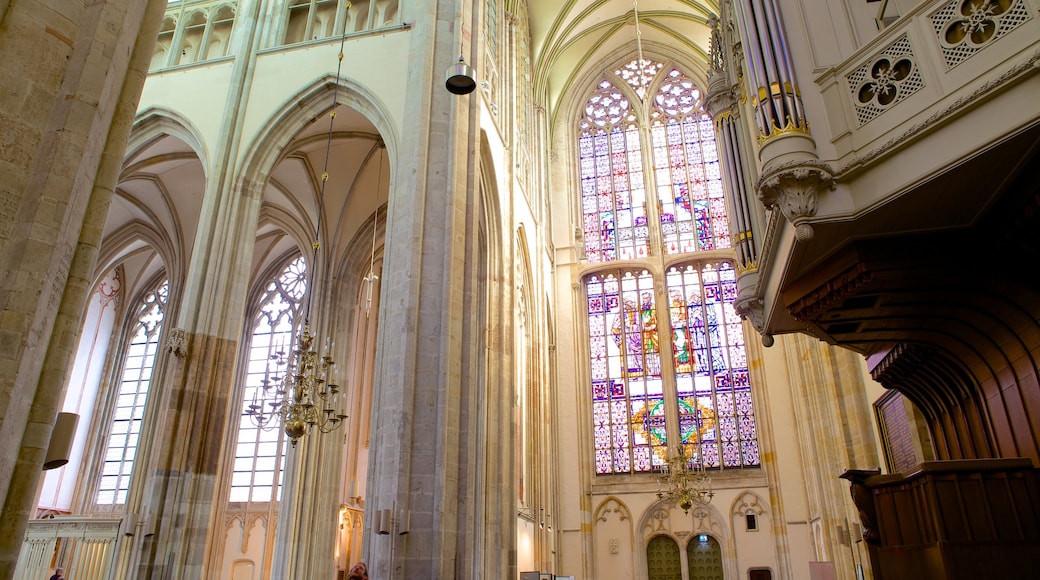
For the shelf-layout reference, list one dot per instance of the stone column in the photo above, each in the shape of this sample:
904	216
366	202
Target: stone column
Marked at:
180	464
834	433
72	76
424	391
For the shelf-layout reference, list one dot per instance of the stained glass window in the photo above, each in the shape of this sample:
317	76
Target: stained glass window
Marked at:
686	161
611	176
631	321
639	75
260	453
135	378
711	369
491	26
627	393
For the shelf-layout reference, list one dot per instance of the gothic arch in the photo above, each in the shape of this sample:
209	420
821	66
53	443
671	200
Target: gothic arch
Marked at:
489	319
138	239
305	107
585	80
664	517
613	530
749	502
147	205
156	122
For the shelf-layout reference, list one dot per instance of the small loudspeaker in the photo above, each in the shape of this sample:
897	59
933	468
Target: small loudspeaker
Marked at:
404	521
460	79
61	441
385	522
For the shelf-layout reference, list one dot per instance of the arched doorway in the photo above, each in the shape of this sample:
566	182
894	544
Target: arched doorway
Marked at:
704	558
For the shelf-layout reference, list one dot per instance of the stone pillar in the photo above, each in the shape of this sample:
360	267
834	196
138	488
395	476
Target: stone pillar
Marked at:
834	419
182	462
72	76
425	397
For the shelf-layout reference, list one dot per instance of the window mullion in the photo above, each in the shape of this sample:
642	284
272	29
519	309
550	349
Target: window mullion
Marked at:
312	15
667	351
655	244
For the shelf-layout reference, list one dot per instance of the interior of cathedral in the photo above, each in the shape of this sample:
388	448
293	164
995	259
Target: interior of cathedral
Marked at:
520	289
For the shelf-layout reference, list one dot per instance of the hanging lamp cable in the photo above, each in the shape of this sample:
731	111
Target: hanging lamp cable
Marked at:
316	245
639	45
372	277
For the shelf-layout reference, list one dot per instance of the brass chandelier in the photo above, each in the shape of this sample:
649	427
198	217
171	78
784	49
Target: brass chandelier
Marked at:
304	398
303	395
685	481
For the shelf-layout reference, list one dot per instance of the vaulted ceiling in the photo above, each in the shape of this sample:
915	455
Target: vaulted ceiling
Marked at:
570	38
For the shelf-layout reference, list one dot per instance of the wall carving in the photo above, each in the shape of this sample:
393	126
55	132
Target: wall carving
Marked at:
935	118
964	27
612	508
749	503
884	80
792	188
702	520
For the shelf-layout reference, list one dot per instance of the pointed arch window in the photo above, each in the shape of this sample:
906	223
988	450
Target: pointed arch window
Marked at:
638	215
613	196
260	453
135	377
686	164
491	27
310	20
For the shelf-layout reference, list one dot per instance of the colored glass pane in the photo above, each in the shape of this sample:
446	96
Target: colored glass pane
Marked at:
639	74
689	181
627	392
709	362
609	164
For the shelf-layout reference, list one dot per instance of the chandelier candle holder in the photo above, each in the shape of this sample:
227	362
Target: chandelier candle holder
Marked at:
305	398
684	480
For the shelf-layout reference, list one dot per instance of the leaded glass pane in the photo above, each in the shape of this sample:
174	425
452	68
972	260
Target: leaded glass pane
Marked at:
614	217
689	180
709	360
639	74
260	453
714	394
121	445
625	365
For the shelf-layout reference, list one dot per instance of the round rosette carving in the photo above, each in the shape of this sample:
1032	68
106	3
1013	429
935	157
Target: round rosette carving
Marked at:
977	23
886	75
